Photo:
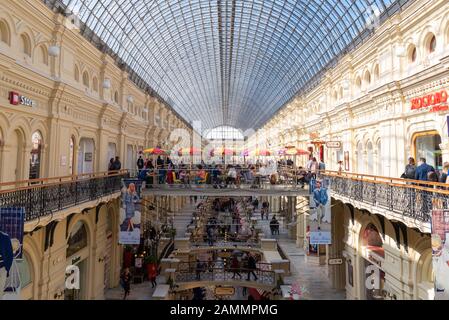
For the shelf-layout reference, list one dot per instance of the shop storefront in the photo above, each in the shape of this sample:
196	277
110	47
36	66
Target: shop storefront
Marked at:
373	256
427	145
78	255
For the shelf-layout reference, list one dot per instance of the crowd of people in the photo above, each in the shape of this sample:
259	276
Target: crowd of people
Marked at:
164	171
425	172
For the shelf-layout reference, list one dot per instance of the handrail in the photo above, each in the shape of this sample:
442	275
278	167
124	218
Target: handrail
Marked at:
33	183
399	182
40	200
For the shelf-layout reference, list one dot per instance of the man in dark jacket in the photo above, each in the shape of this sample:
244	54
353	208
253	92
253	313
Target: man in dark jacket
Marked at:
251	267
117	164
140	163
423	170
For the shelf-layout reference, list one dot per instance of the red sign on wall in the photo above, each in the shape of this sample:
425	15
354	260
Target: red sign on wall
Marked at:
14	98
437	101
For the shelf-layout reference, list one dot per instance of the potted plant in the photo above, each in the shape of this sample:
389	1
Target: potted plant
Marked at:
151	265
128	256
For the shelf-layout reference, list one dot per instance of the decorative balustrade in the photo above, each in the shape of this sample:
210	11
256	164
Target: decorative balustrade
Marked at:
410	198
41	197
221	272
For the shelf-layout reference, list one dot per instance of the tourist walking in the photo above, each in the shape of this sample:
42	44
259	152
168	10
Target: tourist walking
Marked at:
251	267
235	267
125	281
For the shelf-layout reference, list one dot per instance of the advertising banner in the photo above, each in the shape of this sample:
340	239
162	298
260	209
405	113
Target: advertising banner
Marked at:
11	244
130	215
440	253
320	212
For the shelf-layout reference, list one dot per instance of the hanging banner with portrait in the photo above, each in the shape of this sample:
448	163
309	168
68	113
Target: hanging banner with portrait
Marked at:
11	250
320	212
130	215
440	252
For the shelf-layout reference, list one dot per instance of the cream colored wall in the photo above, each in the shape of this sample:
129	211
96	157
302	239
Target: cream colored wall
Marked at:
404	273
66	107
47	267
380	111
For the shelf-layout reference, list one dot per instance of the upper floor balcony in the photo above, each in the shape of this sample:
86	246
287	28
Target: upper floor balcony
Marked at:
408	201
54	198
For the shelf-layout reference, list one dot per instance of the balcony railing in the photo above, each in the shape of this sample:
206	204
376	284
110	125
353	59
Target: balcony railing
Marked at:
282	179
192	272
41	197
410	198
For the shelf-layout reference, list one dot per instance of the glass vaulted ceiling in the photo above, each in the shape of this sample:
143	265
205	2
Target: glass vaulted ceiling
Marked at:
230	62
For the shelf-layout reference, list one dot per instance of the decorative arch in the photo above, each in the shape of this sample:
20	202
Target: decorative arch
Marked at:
424	40
5	32
79	217
33	253
25	44
77	73
367	78
358	83
42	55
376	72
95	84
412	53
86	79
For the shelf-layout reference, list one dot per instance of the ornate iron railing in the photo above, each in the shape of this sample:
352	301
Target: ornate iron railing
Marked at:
47	196
204	271
410	198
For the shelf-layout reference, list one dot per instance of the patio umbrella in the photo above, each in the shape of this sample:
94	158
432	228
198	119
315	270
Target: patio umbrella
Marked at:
293	152
189	152
223	152
261	153
156	151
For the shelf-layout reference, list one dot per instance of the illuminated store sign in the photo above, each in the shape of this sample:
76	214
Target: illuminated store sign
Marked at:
16	99
436	101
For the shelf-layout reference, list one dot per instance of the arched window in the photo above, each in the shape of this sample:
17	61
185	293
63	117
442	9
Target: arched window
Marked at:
335	96
379	159
77	239
72	156
432	43
412	54
370	158
36	155
42	57
86	79
95	84
77	74
367	78
340	95
358	84
4	33
360	168
25	44
376	72
116	96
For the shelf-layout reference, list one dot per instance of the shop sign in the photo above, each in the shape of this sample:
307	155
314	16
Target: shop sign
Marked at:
333	144
16	99
335	261
224	291
436	101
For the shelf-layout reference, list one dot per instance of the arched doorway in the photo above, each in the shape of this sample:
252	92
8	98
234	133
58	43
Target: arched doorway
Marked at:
109	250
35	156
86	156
370	158
77	254
72	156
112	150
373	255
14	157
